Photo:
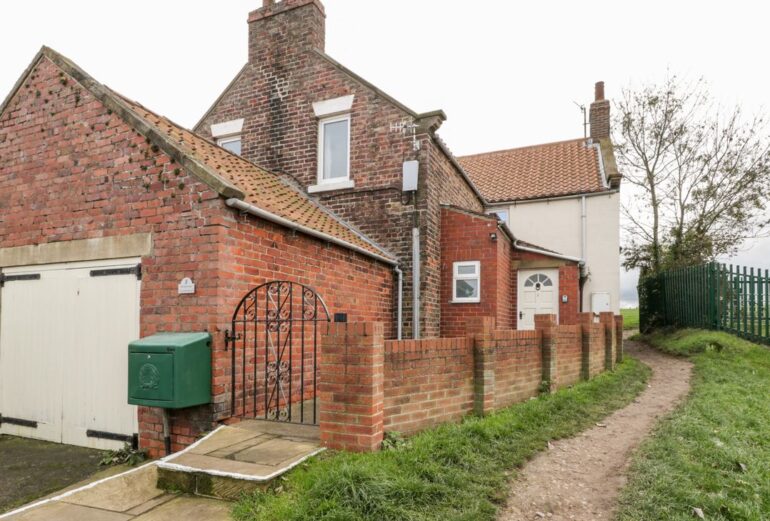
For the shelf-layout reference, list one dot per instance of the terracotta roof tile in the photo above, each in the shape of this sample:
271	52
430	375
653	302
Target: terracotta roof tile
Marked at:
534	172
262	189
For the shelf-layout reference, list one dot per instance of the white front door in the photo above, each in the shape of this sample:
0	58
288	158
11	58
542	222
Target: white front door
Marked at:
64	334
538	293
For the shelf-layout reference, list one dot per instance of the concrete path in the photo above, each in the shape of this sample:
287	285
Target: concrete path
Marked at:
251	450
129	496
579	478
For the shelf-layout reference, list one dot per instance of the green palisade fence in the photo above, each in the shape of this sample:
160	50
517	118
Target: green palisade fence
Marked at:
710	296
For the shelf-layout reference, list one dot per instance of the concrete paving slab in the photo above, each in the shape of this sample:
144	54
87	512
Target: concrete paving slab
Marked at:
207	464
238	447
149	505
293	430
121	493
183	508
60	511
224	437
274	452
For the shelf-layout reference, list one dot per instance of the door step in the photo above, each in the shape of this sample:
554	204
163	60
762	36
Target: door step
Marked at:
239	458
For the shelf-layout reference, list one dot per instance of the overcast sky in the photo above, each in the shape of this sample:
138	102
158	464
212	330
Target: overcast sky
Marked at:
506	73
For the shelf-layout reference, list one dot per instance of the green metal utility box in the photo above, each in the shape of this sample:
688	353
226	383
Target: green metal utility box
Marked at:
170	370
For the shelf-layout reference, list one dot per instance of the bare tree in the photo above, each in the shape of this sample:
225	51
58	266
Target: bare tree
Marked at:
699	176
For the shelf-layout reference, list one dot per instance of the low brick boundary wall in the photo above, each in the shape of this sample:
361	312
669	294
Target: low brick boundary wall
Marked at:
368	385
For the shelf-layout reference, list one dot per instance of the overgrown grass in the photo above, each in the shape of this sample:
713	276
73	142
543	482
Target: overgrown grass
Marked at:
630	318
453	472
713	453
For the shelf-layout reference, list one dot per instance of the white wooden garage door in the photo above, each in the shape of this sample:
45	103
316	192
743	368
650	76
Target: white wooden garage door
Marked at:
64	334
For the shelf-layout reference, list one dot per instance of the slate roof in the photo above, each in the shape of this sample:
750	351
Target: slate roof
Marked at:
538	171
230	175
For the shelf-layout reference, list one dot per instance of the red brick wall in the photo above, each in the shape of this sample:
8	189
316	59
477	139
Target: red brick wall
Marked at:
569	355
427	382
73	170
351	386
594	356
518	366
275	93
466	237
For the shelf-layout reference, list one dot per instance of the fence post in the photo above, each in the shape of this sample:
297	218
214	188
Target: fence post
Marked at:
351	378
481	329
546	326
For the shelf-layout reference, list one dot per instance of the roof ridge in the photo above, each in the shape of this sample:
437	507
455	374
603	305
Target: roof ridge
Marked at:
550	143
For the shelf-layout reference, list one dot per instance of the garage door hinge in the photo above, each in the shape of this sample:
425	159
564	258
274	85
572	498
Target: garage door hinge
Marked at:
9	278
18	421
136	270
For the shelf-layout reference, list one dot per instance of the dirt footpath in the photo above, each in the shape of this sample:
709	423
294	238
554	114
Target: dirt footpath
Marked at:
579	478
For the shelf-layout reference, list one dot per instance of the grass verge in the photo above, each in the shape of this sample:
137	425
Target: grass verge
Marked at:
630	318
713	453
456	472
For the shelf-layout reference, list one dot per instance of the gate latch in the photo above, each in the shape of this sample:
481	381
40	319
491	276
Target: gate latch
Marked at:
230	337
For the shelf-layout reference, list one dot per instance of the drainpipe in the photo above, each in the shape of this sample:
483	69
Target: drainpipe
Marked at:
583	238
416	283
399	306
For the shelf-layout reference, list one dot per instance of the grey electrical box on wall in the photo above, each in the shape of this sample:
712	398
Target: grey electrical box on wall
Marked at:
411	169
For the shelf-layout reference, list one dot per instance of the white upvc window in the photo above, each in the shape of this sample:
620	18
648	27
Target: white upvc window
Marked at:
334	149
502	215
231	143
466	281
333	144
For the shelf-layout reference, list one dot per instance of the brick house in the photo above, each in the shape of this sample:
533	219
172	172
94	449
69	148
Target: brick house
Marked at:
564	196
292	104
301	171
93	185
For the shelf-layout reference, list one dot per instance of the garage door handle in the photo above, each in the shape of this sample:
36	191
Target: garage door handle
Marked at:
521	315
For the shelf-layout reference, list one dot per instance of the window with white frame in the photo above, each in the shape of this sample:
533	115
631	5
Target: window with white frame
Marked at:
232	143
228	134
466	281
502	215
334	149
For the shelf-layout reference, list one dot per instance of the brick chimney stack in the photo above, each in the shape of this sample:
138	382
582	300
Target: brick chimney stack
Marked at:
599	114
281	27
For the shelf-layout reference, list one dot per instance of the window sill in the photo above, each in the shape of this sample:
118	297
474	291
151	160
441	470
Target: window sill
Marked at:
470	301
328	187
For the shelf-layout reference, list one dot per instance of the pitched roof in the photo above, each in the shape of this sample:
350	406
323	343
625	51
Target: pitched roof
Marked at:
538	171
231	175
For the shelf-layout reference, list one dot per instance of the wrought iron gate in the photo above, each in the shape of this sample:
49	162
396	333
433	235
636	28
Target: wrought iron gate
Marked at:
274	353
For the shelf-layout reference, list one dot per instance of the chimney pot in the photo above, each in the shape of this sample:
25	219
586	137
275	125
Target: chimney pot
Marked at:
599	91
267	3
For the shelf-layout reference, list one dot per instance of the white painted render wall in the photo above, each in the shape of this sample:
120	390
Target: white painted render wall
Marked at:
556	225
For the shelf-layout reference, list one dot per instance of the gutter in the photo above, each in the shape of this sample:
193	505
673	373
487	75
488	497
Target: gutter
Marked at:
263	214
547	253
516	202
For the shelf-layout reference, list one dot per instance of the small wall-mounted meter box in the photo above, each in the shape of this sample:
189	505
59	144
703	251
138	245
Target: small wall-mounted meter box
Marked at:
410	177
170	370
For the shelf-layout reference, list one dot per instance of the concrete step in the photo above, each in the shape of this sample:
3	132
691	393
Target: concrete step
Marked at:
238	458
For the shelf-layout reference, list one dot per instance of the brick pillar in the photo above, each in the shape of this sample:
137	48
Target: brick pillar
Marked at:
350	386
481	329
607	320
586	321
546	326
619	338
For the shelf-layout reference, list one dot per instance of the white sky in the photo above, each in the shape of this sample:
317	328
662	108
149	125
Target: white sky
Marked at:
505	72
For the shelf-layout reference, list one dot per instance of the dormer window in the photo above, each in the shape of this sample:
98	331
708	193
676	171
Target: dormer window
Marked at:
228	135
333	144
